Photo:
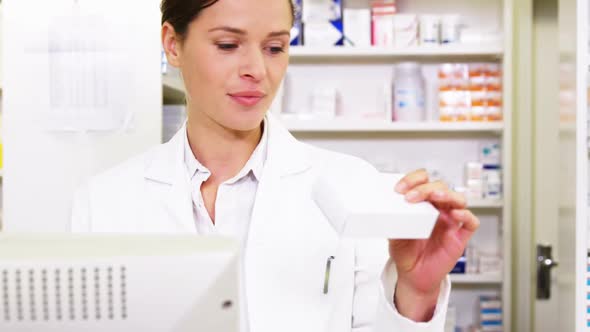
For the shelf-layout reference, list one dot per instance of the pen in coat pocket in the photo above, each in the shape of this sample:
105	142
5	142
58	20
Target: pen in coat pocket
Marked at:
327	275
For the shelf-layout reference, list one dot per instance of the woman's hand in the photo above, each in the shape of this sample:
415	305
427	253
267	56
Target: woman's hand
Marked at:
423	264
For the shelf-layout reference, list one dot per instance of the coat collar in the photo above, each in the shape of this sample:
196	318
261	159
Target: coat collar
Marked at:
285	155
254	164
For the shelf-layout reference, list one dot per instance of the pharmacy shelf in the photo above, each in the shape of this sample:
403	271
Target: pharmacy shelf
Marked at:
355	125
321	61
488	50
173	82
476	279
484	204
567	128
173	88
567	207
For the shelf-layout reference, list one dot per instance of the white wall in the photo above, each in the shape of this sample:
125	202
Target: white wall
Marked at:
1	44
43	168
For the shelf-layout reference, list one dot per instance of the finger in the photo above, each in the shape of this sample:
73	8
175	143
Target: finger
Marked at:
468	223
411	180
445	229
444	223
446	220
448	199
422	192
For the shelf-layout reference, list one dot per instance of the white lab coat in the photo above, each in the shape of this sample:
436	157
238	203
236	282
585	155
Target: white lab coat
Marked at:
288	244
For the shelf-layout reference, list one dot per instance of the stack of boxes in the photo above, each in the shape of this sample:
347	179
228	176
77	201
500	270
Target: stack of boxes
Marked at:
490	156
451	321
382	26
588	292
483	179
461	266
453	93
405	30
485	88
490	314
475	261
323	23
474	181
470	92
297	29
357	27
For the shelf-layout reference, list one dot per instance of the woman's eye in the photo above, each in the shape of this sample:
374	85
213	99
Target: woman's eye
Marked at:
276	49
227	47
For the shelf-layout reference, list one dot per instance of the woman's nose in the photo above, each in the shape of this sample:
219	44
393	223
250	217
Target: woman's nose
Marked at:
253	66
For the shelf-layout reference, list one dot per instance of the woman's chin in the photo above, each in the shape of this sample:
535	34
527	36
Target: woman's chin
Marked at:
243	121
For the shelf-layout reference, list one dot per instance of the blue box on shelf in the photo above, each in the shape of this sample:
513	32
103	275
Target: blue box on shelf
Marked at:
297	29
323	25
460	267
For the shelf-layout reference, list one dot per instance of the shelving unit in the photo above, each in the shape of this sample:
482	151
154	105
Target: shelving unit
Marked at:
483	204
173	88
360	125
476	279
363	137
568	128
487	50
173	82
357	73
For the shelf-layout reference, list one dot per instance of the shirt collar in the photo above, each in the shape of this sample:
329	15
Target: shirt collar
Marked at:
255	164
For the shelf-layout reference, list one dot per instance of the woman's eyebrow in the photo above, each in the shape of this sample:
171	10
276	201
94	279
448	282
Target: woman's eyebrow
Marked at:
229	29
243	32
279	33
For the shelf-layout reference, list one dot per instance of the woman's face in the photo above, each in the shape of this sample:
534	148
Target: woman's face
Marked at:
233	60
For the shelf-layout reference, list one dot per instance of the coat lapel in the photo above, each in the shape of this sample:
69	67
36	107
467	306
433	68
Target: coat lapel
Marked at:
285	157
166	176
273	255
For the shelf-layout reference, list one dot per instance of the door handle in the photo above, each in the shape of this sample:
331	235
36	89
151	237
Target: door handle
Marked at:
545	263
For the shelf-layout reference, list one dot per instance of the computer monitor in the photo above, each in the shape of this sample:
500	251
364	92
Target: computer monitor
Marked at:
92	283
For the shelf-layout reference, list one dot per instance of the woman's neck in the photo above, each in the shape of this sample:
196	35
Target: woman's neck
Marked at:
222	150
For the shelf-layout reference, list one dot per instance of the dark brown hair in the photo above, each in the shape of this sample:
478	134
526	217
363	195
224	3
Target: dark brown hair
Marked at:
180	13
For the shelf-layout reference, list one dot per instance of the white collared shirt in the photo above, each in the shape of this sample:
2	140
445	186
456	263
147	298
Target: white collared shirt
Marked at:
235	197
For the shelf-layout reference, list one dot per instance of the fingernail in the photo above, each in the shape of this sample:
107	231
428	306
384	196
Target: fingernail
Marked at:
401	187
439	194
412	196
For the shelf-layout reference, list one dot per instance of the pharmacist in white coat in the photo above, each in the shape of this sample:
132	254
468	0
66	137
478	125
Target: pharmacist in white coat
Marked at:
234	170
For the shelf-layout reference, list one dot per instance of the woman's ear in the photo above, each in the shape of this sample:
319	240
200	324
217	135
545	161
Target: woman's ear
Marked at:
171	44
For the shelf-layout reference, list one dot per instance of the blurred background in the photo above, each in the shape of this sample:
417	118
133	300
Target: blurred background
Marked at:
490	96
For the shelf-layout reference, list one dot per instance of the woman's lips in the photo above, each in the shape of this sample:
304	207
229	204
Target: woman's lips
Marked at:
247	98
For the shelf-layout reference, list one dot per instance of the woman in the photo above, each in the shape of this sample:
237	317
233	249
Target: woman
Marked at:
234	170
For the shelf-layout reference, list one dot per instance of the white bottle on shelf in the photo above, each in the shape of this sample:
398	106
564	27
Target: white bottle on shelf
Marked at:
408	93
450	29
429	30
